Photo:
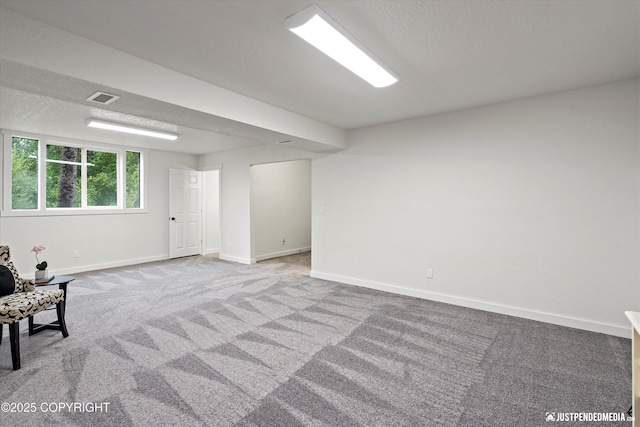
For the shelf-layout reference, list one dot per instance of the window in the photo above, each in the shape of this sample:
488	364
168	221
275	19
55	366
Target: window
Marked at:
54	177
102	178
133	179
24	177
64	179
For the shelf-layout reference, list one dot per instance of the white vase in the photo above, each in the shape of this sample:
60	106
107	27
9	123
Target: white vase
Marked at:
42	274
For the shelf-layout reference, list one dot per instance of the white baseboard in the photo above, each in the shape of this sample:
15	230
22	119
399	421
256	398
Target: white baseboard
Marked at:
212	251
102	266
237	259
604	328
282	253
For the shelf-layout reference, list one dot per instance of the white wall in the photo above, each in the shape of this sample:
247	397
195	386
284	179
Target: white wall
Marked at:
211	200
235	193
102	240
529	208
281	208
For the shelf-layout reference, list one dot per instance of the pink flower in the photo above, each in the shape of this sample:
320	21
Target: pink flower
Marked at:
41	265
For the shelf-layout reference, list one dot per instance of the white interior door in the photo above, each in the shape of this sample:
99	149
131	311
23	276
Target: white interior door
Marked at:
185	213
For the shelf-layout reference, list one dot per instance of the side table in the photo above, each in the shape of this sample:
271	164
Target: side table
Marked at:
62	282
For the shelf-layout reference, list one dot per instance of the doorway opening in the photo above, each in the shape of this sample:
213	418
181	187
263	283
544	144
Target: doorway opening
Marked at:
281	210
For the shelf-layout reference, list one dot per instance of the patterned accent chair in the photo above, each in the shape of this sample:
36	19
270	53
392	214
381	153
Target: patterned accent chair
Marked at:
19	299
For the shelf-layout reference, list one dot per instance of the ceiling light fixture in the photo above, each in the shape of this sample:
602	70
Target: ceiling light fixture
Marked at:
318	29
131	129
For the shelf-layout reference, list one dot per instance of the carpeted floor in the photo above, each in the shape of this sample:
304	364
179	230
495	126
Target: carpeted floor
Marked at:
203	342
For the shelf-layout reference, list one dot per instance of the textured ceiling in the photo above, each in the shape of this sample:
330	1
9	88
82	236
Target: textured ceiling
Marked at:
449	55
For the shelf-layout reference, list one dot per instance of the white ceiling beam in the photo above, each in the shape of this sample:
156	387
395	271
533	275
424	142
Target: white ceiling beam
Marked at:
36	44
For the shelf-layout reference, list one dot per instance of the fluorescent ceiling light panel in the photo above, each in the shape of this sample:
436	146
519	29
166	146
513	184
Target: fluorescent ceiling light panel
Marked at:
318	29
130	129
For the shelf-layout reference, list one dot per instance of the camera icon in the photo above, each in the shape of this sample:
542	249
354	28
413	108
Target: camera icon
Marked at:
550	416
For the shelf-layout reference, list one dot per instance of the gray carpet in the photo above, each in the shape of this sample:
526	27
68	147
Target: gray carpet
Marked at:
203	342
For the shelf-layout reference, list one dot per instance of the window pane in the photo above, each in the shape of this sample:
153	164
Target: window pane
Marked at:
133	179
102	178
63	177
24	173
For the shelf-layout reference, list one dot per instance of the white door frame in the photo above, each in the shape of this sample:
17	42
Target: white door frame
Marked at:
206	224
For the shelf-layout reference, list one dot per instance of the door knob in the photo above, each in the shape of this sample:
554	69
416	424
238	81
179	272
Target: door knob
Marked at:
173	218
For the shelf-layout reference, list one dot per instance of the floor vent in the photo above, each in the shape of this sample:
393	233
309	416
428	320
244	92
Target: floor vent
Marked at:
102	98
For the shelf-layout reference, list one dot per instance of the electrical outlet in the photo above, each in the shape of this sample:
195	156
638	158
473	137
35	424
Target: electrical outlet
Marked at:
76	253
429	273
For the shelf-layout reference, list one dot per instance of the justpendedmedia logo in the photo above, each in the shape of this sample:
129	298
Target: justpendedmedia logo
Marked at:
587	416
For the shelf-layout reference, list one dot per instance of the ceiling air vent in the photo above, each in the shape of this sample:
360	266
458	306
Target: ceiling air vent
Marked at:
102	98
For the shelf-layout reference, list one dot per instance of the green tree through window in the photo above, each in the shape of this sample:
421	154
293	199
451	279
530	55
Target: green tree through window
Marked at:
64	177
133	180
24	177
102	178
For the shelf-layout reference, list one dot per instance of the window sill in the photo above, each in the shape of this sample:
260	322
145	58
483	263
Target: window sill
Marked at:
72	212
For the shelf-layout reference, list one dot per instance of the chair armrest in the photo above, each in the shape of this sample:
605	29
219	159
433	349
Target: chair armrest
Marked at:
28	285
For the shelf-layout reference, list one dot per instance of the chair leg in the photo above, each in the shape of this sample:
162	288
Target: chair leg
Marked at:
1	330
14	337
61	322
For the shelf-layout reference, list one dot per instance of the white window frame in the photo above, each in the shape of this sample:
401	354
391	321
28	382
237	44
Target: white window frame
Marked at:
42	210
